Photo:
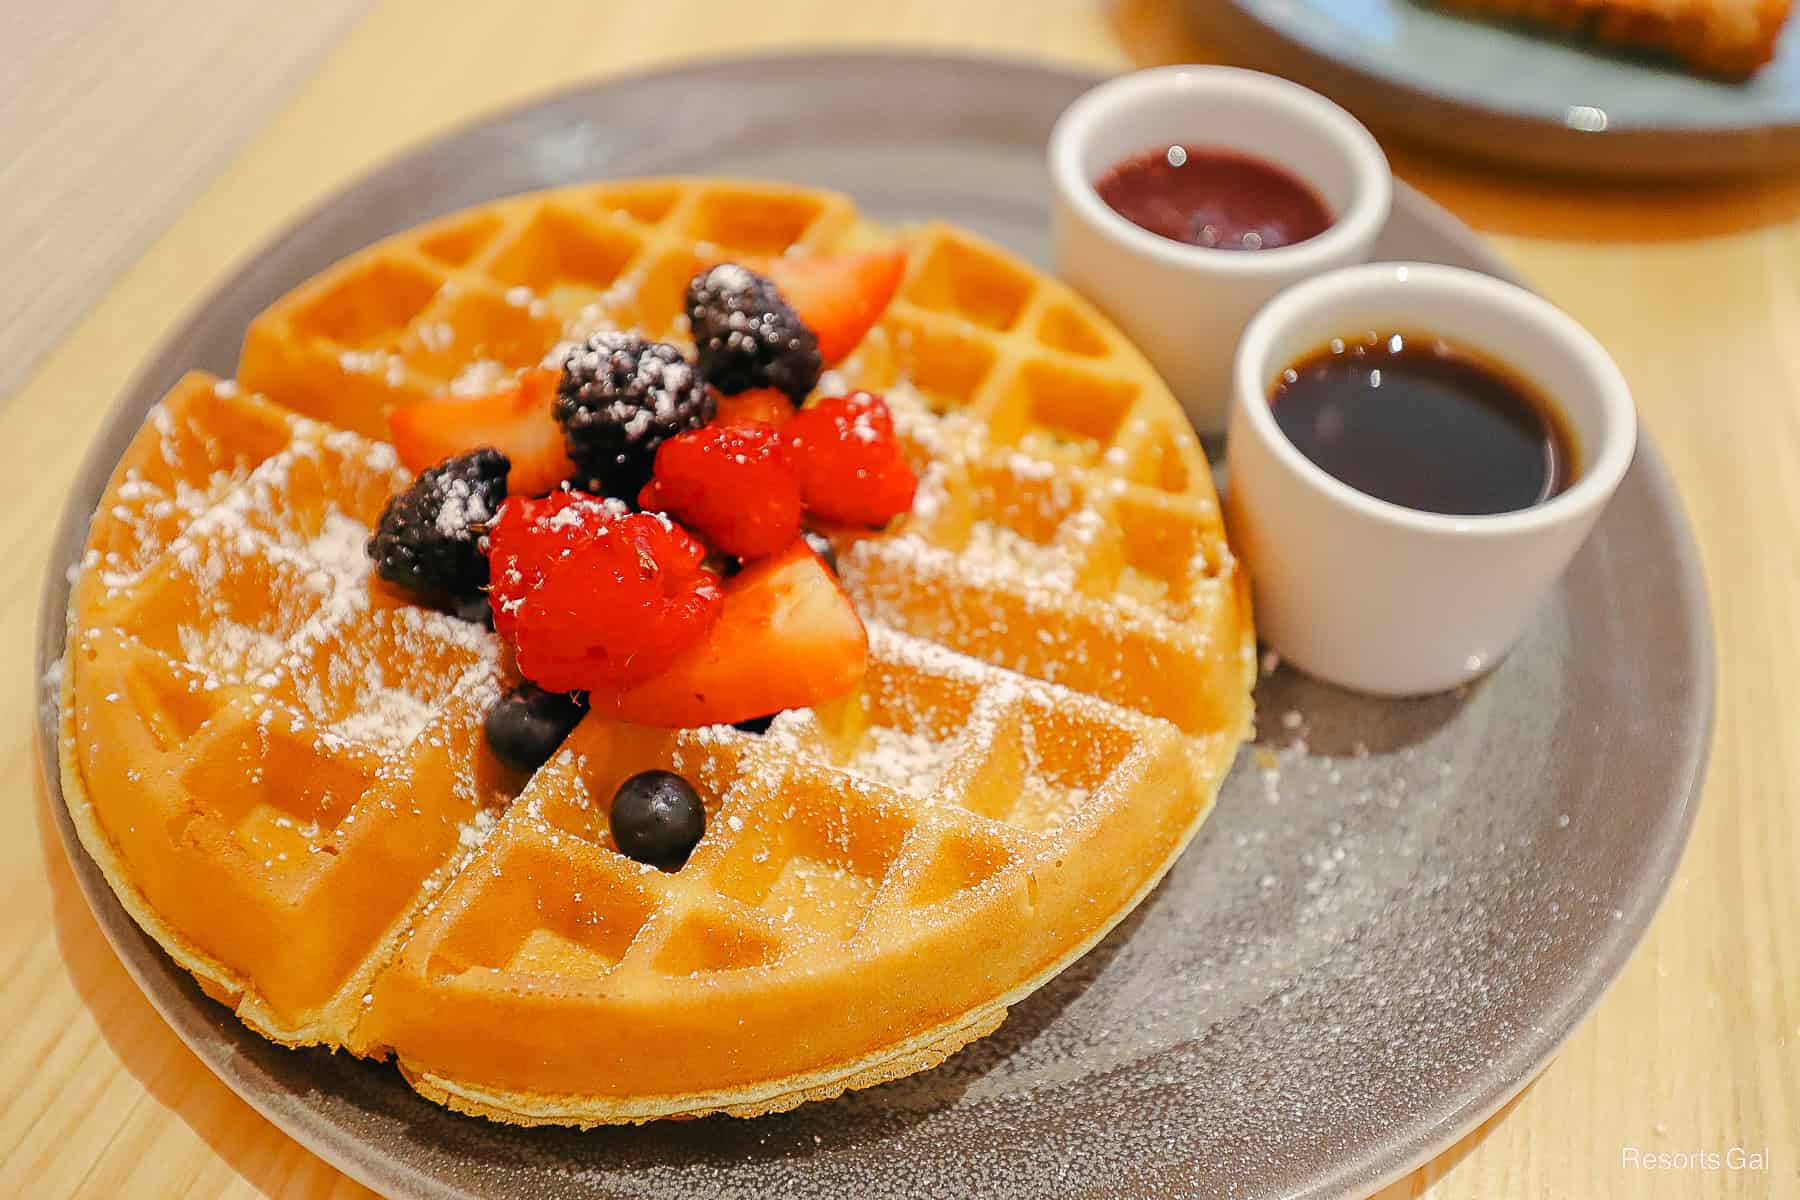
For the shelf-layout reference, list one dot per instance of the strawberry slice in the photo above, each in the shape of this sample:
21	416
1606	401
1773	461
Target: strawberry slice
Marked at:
768	405
786	637
838	296
519	421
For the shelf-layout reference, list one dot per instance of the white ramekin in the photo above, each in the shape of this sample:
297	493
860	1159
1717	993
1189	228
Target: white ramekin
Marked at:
1185	306
1389	600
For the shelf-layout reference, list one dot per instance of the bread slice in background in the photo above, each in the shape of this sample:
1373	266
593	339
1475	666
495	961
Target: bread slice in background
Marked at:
1732	39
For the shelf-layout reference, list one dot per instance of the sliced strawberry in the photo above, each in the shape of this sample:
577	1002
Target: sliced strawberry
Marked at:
768	405
786	637
518	421
838	296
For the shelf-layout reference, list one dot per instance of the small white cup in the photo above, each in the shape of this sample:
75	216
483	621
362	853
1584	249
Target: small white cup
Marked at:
1185	306
1389	600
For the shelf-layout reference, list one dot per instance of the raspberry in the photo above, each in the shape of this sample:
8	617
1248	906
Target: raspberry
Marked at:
848	462
429	537
593	596
747	336
731	484
619	398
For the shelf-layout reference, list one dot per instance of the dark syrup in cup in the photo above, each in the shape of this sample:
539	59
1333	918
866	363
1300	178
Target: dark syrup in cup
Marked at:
1419	422
1216	198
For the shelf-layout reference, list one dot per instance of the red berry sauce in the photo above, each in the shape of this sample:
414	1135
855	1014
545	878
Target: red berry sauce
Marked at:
1220	199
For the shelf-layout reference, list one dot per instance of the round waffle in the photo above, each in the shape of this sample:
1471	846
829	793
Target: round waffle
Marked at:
281	771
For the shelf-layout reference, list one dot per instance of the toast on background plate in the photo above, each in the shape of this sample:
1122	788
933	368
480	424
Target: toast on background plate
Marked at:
1732	39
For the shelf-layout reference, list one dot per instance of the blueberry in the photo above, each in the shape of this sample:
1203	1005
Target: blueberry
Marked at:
527	725
657	818
822	547
473	609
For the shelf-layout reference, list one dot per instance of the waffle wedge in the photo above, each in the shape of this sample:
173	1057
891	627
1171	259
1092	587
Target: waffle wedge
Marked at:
279	766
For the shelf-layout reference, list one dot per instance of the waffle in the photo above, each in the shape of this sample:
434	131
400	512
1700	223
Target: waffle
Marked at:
279	764
1732	39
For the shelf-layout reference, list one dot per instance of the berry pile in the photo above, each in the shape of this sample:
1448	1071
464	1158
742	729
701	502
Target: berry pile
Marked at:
582	511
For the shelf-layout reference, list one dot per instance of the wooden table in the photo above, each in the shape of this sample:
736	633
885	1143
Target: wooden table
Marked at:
1697	292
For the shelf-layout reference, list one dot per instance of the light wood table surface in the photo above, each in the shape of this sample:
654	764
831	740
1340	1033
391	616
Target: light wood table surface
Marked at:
212	140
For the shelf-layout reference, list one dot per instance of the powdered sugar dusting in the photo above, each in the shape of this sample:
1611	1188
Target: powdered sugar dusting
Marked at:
340	547
480	378
909	761
230	651
463	505
994	547
385	717
944	438
472	834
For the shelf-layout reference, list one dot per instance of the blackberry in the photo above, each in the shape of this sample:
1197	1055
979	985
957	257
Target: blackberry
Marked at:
747	336
429	538
619	398
526	725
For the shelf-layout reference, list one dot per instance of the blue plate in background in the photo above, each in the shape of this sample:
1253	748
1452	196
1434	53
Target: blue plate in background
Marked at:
1514	96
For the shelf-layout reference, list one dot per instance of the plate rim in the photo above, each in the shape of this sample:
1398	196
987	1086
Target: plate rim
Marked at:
375	1168
1470	130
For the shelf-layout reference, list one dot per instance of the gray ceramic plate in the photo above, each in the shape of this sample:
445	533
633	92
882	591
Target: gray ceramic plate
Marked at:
1368	949
1514	96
